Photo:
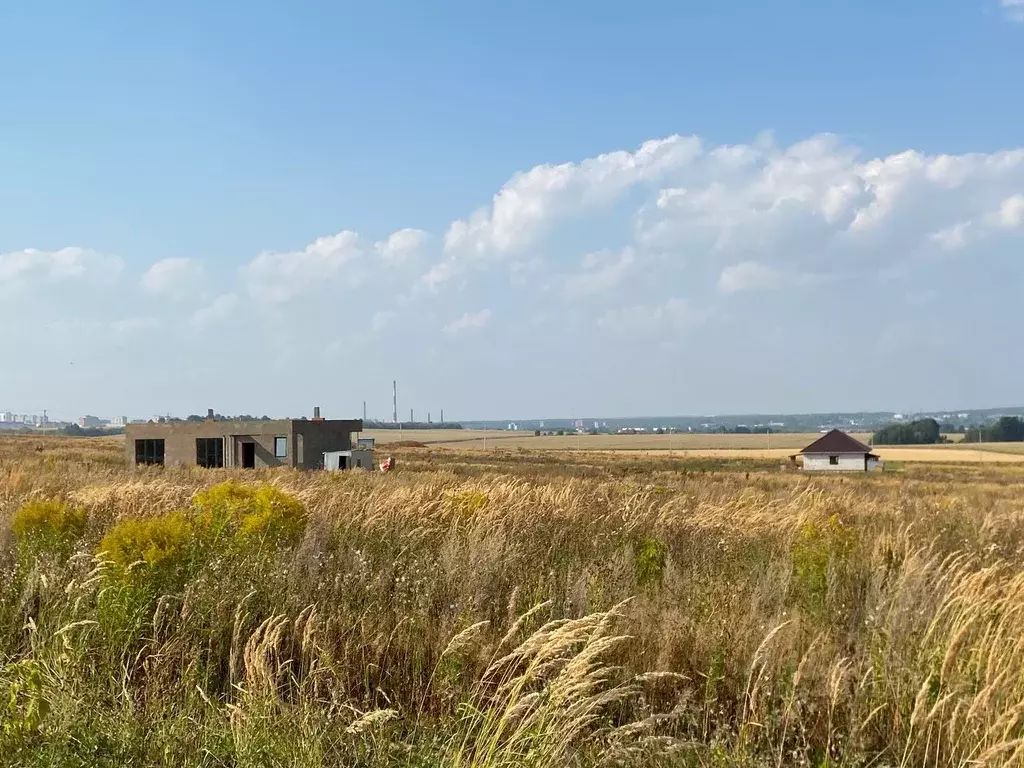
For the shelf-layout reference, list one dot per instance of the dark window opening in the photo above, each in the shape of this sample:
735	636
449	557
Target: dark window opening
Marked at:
833	460
210	452
280	447
149	451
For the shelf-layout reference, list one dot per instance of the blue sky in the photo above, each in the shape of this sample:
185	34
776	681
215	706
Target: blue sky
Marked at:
524	211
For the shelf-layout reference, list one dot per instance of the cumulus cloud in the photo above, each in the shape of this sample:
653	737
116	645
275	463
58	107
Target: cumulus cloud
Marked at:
749	276
1011	213
176	277
531	201
649	241
216	311
816	206
64	264
599	272
401	246
952	238
471	321
277	277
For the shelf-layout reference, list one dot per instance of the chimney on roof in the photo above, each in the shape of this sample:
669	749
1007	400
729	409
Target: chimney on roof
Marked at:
316	413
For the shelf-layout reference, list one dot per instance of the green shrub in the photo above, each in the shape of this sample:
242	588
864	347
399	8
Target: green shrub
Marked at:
275	518
819	548
48	526
263	515
161	543
649	559
26	705
467	502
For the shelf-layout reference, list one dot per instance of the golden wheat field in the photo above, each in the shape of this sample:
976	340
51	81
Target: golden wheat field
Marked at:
511	607
711	445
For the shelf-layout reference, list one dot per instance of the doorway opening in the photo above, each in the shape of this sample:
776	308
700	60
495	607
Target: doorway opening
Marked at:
248	455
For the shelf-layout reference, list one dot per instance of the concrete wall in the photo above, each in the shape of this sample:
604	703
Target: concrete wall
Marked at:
180	440
314	438
307	440
848	462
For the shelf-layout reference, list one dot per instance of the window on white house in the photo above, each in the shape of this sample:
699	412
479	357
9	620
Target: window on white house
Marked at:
833	460
280	447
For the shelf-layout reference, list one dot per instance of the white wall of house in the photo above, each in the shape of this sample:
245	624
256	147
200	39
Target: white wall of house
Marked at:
847	462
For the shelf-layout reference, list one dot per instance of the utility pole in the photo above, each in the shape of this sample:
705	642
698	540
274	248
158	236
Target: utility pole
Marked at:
394	401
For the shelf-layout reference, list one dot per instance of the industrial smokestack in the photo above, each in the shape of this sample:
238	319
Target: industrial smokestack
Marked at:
316	413
411	419
394	400
442	415
364	410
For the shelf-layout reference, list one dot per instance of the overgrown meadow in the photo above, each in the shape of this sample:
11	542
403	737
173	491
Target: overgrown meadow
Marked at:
506	609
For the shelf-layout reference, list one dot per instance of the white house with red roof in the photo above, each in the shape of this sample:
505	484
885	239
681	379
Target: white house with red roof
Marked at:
837	451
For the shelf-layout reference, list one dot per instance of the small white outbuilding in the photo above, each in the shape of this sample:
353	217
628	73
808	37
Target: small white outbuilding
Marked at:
357	458
837	451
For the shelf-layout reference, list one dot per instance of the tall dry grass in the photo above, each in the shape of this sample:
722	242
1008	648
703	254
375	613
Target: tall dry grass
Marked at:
509	609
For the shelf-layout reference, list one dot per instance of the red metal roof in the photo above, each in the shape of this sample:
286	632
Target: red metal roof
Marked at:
836	441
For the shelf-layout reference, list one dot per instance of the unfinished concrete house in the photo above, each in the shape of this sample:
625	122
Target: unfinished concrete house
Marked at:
297	443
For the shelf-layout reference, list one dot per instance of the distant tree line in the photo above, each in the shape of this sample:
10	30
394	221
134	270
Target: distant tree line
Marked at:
1008	429
920	432
73	430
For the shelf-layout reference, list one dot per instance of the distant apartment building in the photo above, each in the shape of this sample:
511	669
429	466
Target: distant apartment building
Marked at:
89	422
6	416
119	421
298	443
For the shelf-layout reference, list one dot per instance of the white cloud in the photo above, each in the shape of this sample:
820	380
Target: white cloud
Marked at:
173	277
749	276
952	238
279	277
601	271
471	321
218	310
401	246
64	264
1014	9
1011	213
530	201
816	207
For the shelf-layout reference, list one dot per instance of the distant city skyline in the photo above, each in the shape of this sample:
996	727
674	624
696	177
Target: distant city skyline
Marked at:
954	414
511	209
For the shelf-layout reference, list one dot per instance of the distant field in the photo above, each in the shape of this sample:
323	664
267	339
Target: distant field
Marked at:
720	446
499	438
930	454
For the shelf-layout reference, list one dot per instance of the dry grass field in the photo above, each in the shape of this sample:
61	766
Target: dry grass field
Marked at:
508	608
472	439
711	445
